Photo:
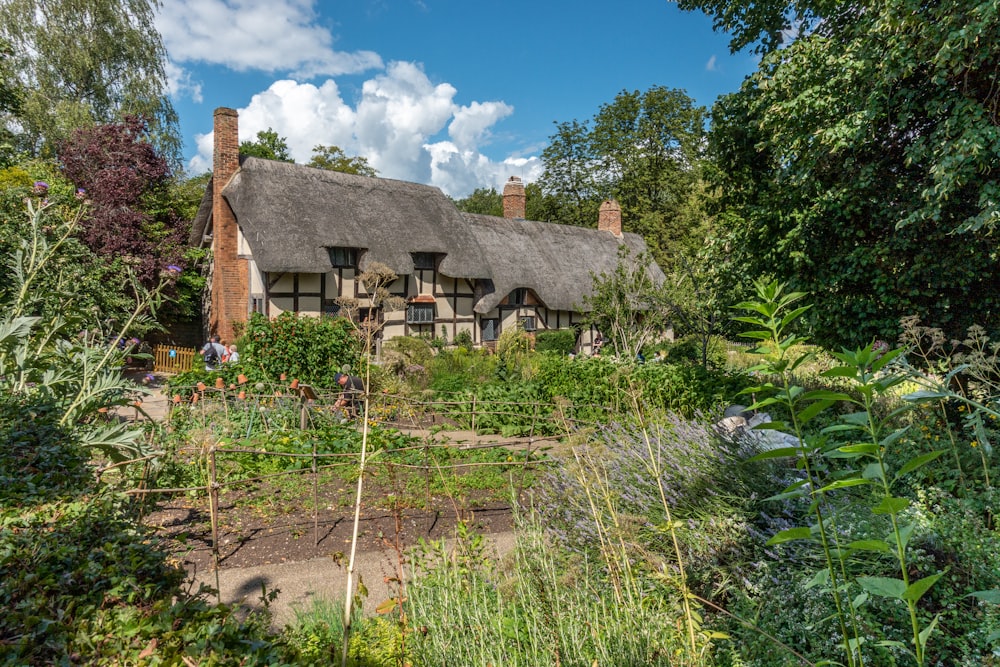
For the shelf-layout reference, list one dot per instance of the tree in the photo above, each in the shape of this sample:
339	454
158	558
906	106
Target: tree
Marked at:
333	158
77	63
645	150
626	306
848	161
126	182
268	146
484	201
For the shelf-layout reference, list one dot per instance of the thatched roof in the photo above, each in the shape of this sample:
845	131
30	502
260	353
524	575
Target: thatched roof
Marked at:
290	214
557	262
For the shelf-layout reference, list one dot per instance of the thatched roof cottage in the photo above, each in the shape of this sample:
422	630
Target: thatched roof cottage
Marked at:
287	237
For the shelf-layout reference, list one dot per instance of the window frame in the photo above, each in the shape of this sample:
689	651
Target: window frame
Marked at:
413	308
342	257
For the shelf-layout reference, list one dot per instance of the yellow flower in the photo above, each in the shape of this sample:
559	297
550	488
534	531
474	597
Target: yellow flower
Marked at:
973	444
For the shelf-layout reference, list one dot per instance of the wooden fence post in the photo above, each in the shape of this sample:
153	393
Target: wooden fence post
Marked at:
213	508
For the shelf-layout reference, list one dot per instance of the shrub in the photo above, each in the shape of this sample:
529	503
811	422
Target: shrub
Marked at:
561	341
312	349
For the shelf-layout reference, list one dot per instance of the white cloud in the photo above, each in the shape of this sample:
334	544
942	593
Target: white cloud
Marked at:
180	84
397	125
265	35
472	123
711	65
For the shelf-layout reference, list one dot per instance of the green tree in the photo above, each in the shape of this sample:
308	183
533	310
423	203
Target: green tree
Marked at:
268	146
848	161
75	63
333	158
627	306
644	149
484	201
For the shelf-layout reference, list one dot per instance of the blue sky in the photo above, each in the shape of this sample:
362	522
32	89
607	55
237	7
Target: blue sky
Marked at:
454	93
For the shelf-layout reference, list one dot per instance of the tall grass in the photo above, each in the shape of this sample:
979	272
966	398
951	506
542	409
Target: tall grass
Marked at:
537	608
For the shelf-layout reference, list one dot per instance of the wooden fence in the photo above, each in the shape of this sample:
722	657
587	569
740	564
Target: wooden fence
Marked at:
169	359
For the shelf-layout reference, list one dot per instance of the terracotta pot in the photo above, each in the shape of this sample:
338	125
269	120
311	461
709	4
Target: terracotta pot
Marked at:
242	395
177	398
242	379
220	383
232	386
295	383
282	377
103	411
138	404
194	398
201	386
277	393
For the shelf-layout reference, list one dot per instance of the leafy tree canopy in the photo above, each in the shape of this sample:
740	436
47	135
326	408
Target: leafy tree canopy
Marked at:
643	149
126	182
846	164
268	146
77	63
333	158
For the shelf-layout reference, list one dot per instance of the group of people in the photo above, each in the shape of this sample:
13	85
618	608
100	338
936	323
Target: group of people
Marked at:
215	353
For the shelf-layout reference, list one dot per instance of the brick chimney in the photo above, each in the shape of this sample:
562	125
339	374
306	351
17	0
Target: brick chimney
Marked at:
513	199
230	276
609	217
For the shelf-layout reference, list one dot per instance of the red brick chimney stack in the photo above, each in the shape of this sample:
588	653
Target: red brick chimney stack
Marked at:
513	199
609	217
230	279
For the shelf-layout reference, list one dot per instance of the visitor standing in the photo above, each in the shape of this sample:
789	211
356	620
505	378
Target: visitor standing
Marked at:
212	353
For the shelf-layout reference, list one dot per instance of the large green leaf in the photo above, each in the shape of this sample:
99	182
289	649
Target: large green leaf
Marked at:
916	590
883	586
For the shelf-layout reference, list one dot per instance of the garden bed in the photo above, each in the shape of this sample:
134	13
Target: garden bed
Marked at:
274	523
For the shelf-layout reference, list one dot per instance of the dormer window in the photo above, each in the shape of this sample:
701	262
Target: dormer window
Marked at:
424	260
518	297
343	257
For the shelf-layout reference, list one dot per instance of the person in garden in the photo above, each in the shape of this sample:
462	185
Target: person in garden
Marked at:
234	356
212	353
353	390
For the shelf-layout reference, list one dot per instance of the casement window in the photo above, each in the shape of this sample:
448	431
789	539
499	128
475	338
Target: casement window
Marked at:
518	297
424	260
257	304
343	257
490	328
420	313
527	322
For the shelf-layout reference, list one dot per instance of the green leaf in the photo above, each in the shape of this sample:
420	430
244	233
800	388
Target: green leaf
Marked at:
861	448
800	533
872	471
893	437
905	532
925	395
918	461
883	586
821	578
844	483
812	410
776	454
916	590
891	505
992	596
870	545
926	632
